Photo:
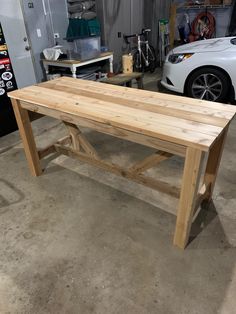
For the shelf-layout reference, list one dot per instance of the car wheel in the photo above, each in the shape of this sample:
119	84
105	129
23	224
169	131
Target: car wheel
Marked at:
208	84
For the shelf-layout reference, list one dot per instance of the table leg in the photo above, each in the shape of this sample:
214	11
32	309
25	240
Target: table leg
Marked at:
111	64
128	84
73	71
27	137
213	163
140	82
189	190
46	67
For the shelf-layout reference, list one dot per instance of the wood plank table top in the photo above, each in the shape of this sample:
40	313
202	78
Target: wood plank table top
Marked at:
178	120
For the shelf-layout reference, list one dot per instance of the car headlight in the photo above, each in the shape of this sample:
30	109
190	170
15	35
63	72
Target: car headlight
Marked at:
179	57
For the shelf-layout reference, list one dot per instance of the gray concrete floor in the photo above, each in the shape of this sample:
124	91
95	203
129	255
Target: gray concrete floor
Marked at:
78	241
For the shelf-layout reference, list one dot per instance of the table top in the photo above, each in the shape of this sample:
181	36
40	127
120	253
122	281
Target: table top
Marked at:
180	120
70	61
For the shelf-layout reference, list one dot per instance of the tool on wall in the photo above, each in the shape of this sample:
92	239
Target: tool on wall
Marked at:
203	27
164	39
185	28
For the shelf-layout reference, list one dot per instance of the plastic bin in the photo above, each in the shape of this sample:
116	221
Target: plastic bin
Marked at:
94	27
87	48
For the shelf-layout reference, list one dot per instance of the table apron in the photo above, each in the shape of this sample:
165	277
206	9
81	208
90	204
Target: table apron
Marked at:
138	138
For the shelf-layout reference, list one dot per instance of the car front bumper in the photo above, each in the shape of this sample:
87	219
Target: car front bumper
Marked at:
173	77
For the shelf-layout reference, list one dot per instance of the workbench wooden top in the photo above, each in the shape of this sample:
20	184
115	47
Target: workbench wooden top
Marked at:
180	120
76	61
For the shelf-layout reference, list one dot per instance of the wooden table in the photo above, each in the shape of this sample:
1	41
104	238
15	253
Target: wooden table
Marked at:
74	64
172	125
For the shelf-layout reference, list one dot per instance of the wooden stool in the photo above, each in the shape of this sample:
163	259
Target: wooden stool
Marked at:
125	79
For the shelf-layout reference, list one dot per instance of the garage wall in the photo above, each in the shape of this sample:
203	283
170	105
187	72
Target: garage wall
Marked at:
114	17
124	16
157	9
222	16
129	16
154	10
58	10
137	15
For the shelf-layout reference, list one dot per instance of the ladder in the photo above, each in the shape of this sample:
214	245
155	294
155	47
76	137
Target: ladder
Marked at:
164	39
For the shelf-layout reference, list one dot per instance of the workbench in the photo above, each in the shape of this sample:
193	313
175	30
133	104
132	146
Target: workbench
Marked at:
172	125
74	64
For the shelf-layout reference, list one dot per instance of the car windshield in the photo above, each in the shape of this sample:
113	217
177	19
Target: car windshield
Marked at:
233	41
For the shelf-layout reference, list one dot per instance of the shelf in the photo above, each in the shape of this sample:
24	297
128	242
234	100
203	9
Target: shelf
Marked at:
206	6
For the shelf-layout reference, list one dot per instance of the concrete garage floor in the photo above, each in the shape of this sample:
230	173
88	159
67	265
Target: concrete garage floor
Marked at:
78	240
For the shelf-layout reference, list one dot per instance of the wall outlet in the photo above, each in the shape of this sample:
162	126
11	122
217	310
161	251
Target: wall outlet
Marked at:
39	34
56	35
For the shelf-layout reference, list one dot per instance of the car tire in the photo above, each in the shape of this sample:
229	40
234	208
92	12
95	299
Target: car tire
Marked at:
208	84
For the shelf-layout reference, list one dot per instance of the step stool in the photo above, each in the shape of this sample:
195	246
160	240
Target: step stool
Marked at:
125	79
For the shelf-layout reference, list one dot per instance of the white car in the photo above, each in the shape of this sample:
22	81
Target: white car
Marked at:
203	69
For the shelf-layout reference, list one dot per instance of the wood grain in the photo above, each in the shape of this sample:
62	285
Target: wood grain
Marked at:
135	137
189	190
176	130
213	163
150	102
155	98
27	137
150	162
139	178
74	133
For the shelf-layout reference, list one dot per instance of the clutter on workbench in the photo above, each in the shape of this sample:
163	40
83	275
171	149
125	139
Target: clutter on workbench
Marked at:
53	53
85	48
